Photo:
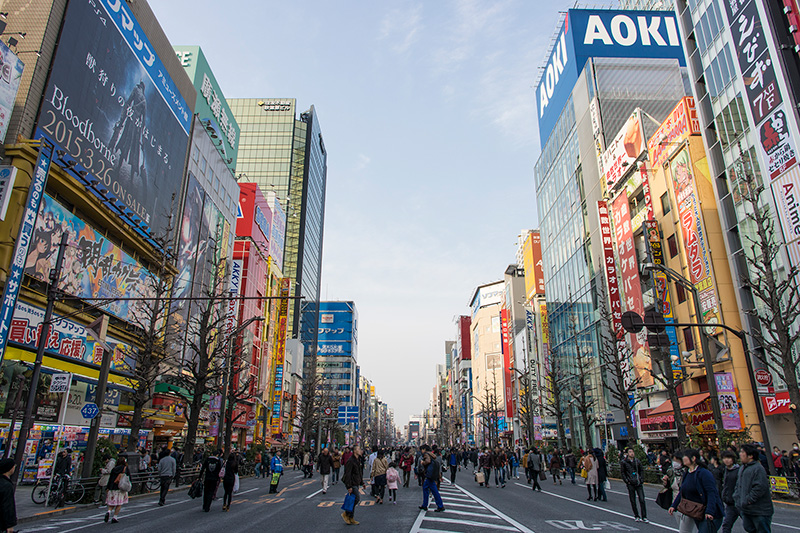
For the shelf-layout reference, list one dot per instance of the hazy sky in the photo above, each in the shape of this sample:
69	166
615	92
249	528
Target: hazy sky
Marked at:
428	114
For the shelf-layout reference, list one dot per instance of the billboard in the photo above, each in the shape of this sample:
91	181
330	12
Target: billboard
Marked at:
681	122
508	392
587	33
111	105
487	295
10	75
623	151
694	236
532	265
211	106
94	267
786	191
254	216
278	232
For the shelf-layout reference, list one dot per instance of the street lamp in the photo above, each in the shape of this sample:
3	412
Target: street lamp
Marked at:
226	377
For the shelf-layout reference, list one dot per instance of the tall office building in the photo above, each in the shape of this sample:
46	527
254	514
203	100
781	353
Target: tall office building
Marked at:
285	153
603	65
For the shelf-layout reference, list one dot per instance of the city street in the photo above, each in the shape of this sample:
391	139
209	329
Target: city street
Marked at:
300	507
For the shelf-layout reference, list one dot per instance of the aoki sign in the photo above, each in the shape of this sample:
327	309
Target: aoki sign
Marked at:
588	33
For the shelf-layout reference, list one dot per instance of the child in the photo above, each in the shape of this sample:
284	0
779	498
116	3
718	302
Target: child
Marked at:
392	480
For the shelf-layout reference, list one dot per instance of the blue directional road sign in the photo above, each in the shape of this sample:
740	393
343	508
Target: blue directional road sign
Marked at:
348	414
89	410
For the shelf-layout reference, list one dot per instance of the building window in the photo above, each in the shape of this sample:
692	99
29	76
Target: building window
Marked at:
688	339
672	244
665	205
681	293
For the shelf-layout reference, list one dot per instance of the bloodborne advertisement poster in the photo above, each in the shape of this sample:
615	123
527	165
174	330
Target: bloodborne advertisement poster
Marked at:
112	107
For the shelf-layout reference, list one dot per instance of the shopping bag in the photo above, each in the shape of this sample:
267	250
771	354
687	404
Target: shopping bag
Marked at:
542	475
607	485
584	473
236	483
196	489
480	477
349	502
125	483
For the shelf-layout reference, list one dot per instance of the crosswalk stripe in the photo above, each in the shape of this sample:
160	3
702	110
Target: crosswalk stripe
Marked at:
467	513
505	517
470	523
451	504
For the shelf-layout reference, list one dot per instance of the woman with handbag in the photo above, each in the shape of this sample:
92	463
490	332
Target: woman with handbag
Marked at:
231	472
698	497
590	465
119	485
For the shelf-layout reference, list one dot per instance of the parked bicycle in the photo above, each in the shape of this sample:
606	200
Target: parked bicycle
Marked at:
64	490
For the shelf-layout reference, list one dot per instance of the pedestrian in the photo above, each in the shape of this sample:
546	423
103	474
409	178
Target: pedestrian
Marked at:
602	474
337	466
525	465
178	456
378	476
698	497
102	484
499	463
406	465
308	464
555	467
265	461
229	480
514	462
433	474
166	472
210	474
353	479
8	506
473	457
118	486
324	466
570	462
717	470
752	495
632	474
590	465
729	478
276	468
453	465
485	461
257	463
392	481
535	464
63	463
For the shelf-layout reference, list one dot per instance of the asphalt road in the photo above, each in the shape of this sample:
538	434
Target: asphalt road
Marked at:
300	507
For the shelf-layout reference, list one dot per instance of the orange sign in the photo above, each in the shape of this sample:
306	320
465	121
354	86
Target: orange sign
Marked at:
680	123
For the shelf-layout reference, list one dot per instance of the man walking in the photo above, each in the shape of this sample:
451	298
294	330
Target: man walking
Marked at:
433	474
752	495
570	462
325	465
353	479
499	465
276	468
209	473
166	471
535	466
631	470
8	507
729	478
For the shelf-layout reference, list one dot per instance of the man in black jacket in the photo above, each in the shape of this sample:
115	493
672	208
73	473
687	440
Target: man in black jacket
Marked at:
632	471
325	465
729	478
752	495
353	478
209	473
8	508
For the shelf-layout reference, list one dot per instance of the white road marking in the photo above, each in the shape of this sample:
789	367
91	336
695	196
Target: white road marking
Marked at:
498	513
784	525
601	508
418	522
313	494
470	523
467	513
450	504
124	516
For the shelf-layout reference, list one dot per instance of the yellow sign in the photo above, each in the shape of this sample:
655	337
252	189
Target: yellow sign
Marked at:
779	485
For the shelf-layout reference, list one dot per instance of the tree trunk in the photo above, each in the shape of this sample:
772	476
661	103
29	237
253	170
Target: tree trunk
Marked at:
191	430
136	424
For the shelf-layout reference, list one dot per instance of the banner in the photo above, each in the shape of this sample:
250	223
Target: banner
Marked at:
613	290
113	108
94	267
508	390
10	75
694	237
631	288
728	401
623	151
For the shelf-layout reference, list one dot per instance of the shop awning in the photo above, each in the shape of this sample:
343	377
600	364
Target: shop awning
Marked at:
687	402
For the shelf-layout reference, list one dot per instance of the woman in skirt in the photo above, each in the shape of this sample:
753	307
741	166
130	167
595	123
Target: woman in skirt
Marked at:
116	497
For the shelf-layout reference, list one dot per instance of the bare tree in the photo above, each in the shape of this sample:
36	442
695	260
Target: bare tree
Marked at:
581	395
553	403
240	386
778	294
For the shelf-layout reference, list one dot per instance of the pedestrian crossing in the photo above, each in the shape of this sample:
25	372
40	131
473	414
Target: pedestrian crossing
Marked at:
463	512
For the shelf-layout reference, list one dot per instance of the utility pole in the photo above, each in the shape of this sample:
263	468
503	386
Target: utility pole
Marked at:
27	420
100	395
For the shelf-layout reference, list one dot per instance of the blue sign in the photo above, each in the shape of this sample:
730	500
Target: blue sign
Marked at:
89	410
14	280
588	33
348	414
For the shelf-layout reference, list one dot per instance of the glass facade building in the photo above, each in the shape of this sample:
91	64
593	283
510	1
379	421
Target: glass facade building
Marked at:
285	153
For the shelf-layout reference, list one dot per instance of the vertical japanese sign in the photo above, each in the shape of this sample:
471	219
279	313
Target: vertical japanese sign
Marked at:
545	325
509	393
786	191
14	280
631	286
662	294
280	353
613	289
694	237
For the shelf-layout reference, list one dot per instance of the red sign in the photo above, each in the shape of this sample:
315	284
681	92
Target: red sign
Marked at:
538	269
763	377
509	395
680	123
777	405
613	287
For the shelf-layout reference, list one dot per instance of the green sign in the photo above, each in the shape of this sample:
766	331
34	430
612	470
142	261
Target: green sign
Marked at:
211	106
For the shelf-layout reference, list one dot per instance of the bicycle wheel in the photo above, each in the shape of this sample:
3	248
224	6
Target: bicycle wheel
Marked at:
74	493
153	484
39	493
